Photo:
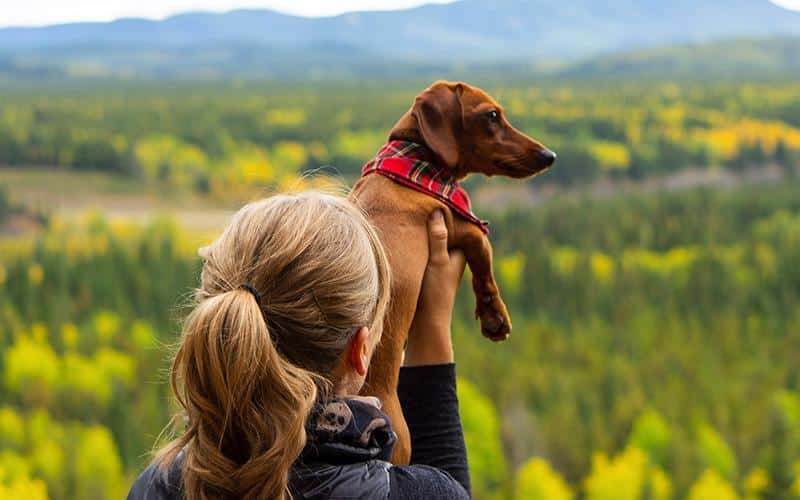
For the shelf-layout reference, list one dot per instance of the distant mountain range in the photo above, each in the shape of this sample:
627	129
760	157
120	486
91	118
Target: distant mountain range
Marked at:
746	58
498	32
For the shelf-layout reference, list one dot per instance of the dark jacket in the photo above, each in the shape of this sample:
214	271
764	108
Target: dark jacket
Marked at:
350	442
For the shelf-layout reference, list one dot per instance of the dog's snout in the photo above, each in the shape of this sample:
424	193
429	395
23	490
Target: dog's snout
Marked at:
548	157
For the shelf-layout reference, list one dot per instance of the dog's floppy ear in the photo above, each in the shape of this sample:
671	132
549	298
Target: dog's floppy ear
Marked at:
440	120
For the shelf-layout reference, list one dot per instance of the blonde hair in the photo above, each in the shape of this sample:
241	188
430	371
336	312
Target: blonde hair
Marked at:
250	366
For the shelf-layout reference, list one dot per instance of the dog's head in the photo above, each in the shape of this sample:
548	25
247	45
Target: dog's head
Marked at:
468	132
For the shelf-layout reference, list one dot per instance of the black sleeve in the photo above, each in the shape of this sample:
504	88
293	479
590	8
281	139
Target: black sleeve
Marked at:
430	405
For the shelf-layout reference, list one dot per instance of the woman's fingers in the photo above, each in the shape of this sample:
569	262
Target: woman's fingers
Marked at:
437	239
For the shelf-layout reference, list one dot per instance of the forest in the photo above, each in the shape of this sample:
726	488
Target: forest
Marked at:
656	344
219	138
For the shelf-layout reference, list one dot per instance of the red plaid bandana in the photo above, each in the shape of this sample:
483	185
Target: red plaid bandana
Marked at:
411	165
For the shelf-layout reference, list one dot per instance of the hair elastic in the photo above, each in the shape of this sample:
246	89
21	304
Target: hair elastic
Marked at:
253	292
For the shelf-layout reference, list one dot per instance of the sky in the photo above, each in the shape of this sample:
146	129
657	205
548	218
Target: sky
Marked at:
42	12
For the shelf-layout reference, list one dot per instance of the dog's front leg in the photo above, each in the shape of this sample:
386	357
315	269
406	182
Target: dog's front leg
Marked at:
490	309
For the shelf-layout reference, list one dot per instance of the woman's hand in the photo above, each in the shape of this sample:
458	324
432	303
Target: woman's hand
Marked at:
429	341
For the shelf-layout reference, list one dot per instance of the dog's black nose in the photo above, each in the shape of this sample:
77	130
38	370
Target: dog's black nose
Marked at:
548	157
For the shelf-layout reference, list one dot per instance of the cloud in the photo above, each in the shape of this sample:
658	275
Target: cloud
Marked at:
787	4
43	12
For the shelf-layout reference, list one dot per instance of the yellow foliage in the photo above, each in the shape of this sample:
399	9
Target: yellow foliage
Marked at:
16	247
674	260
69	335
722	143
12	430
516	106
39	332
756	482
564	260
143	335
285	117
510	271
31	370
41	428
106	325
3	275
35	274
84	382
712	486
621	478
98	468
289	157
29	489
610	155
246	166
536	480
726	142
660	485
796	483
633	131
628	476
48	462
766	259
116	366
672	116
12	467
165	158
602	267
99	244
362	144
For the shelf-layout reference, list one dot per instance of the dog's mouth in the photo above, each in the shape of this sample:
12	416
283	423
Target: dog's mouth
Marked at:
520	170
529	164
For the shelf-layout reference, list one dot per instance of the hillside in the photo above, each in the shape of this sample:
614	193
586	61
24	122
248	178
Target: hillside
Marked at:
753	59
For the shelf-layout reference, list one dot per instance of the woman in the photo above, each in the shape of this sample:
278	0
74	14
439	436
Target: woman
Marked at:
289	311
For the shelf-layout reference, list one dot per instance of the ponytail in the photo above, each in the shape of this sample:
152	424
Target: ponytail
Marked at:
253	403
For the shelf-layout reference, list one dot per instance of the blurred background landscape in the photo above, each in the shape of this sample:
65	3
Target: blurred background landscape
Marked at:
653	274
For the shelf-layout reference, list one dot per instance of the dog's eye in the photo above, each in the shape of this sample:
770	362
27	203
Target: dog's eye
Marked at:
493	115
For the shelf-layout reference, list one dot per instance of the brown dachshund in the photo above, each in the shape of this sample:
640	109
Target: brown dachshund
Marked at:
467	132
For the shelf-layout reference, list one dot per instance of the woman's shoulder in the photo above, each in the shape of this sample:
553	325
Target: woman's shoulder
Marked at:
371	480
374	479
415	482
158	483
368	480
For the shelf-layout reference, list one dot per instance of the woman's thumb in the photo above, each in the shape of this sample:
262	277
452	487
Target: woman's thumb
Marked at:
437	236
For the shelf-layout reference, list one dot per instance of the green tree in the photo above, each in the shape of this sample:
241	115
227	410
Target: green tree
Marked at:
487	463
783	448
715	452
651	434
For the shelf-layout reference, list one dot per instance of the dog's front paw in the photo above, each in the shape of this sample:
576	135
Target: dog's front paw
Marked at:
495	321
